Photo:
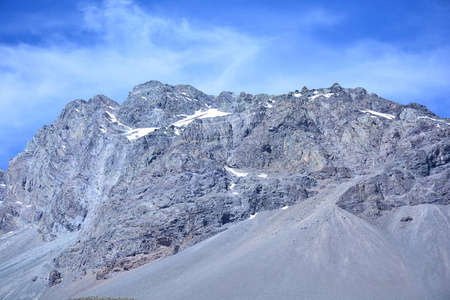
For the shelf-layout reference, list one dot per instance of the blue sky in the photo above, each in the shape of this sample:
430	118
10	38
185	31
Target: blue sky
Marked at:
52	52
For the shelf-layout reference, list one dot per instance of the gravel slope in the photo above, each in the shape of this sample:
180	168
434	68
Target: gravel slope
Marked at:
313	250
26	263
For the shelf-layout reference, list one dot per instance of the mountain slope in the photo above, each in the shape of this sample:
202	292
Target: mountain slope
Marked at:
173	166
313	250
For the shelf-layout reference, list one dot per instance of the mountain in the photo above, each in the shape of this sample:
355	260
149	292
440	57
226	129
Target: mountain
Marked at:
324	193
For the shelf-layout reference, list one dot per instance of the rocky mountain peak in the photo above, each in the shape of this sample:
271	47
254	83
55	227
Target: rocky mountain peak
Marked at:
173	166
336	88
101	102
154	104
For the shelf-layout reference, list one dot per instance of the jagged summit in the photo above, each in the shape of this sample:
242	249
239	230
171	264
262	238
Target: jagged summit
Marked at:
173	166
154	104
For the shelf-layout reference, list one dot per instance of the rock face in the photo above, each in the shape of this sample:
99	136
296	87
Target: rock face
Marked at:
172	166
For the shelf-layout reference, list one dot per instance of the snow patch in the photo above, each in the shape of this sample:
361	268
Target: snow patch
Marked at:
177	131
111	116
268	105
102	129
262	175
235	193
298	95
29	205
252	216
18	202
320	95
232	186
234	172
432	119
114	120
145	98
285	207
375	113
138	133
210	113
2	185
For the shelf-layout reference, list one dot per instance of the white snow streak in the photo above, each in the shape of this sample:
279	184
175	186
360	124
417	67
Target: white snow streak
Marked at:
238	174
232	186
18	202
298	95
424	117
252	216
235	193
210	113
262	175
387	116
112	117
320	95
114	120
2	185
133	134
138	133
285	207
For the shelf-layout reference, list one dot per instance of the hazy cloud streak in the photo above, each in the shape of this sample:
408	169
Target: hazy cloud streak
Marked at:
124	44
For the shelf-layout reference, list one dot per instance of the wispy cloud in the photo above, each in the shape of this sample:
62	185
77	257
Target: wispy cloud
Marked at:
131	45
387	70
116	44
128	46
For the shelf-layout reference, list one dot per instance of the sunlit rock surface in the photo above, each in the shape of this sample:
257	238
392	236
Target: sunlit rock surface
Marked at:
364	181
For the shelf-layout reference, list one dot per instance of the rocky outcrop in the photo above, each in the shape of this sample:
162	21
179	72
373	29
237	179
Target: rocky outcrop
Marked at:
172	166
2	186
54	278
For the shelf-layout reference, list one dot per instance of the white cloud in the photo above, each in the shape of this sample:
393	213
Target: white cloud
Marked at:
128	45
131	46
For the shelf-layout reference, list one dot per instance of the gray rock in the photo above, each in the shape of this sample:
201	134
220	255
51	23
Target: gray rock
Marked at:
54	278
136	194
